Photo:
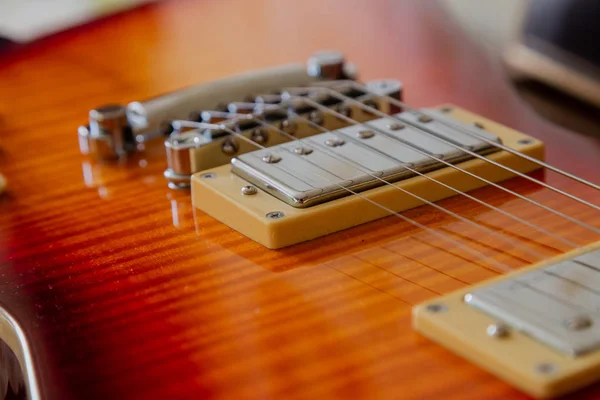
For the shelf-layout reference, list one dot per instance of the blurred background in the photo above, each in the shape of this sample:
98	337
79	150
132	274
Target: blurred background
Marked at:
542	46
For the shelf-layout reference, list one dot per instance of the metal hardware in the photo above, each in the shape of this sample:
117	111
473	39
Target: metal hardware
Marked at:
259	135
289	125
230	146
316	117
302	151
525	141
249	190
327	65
341	160
556	305
334	142
275	215
108	134
396	126
578	323
436	308
209	175
545	368
271	158
497	330
425	118
478	125
366	134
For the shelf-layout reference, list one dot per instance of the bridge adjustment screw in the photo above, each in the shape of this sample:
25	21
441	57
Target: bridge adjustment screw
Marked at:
425	119
303	151
249	190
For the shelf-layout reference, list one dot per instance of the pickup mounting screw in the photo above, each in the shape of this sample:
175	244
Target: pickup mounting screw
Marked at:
335	142
209	175
275	215
425	118
545	368
396	127
249	190
578	323
525	141
436	308
498	331
303	151
366	134
271	158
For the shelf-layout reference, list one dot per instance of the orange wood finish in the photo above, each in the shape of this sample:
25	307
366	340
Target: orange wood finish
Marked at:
125	292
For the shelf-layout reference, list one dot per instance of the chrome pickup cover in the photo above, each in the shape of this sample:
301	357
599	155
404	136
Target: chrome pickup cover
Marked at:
558	305
323	167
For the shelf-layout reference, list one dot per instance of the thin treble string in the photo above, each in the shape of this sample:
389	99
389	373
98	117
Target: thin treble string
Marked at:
448	142
399	103
440	235
487	181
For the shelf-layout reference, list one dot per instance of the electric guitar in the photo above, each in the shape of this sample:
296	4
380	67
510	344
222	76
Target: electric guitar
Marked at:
277	230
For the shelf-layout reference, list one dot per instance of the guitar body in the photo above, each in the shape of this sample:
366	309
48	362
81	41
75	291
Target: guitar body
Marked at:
114	286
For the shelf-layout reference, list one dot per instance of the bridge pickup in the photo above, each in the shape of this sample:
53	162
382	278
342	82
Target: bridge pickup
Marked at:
273	195
334	164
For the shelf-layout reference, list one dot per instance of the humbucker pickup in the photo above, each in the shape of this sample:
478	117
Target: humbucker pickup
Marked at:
537	328
298	190
323	167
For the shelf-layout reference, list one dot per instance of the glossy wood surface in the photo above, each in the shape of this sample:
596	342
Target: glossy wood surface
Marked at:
125	292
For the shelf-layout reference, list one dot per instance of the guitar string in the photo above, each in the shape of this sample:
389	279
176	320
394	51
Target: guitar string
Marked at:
399	103
375	111
504	237
502	266
441	235
487	181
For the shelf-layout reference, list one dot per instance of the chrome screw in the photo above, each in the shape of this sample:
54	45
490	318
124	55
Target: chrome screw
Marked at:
259	136
229	146
436	308
275	215
303	151
578	323
425	118
396	127
209	175
525	141
271	158
498	330
366	134
249	190
335	142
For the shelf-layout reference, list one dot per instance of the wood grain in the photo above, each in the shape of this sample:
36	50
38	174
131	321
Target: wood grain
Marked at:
125	291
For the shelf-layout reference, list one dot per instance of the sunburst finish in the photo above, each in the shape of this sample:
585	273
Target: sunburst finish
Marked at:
124	291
